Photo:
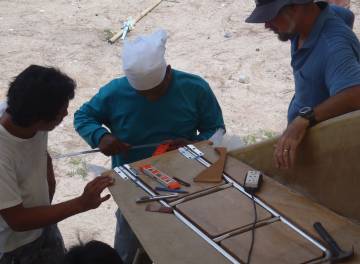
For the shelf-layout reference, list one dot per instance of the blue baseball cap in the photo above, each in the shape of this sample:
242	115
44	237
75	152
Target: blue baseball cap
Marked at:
266	10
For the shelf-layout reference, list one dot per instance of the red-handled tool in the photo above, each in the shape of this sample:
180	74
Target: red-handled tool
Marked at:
161	177
161	149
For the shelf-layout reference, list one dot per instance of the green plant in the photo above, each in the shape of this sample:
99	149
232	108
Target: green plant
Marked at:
108	34
75	161
78	167
258	136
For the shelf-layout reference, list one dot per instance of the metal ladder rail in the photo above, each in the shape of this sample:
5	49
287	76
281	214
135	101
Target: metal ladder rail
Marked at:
195	153
126	172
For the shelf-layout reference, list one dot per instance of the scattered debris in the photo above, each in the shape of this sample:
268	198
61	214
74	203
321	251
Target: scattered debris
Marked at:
128	25
286	91
125	30
244	79
227	35
108	33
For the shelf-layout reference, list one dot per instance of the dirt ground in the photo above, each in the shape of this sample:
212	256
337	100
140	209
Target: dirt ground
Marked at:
206	37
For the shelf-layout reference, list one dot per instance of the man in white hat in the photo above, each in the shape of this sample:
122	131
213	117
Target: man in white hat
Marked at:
152	103
325	57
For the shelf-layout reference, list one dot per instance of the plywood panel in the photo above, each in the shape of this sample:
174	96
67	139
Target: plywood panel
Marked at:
232	167
222	211
152	227
304	212
274	243
327	167
175	165
298	208
163	236
214	173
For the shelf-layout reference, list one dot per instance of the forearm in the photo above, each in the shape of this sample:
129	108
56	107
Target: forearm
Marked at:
23	219
342	103
38	217
88	127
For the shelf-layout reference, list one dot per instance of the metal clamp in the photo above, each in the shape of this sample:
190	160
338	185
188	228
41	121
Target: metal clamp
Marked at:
128	25
190	152
120	171
195	150
186	153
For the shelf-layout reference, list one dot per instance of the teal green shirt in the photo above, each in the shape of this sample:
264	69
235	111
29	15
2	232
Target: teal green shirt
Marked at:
188	110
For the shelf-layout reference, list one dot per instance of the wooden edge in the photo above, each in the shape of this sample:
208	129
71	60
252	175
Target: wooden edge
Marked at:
248	151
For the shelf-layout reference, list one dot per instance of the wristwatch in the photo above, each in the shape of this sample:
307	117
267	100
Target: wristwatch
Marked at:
308	113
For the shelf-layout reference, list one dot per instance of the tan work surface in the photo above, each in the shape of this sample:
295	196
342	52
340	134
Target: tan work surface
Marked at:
285	246
158	231
326	167
175	165
303	211
222	212
233	167
163	236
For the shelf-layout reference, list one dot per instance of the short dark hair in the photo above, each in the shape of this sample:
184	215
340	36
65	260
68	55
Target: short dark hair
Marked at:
37	94
93	252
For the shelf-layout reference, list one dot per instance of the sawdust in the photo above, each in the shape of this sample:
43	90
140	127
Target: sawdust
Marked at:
247	67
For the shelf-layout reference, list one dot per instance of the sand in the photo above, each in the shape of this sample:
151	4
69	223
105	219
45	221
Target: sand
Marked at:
246	66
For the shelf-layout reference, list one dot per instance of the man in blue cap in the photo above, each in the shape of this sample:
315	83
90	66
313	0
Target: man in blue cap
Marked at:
341	8
343	3
325	57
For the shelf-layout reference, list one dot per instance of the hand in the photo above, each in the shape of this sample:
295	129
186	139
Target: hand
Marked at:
177	143
110	145
285	148
91	197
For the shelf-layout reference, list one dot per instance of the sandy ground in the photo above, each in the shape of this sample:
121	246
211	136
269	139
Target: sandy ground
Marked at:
206	37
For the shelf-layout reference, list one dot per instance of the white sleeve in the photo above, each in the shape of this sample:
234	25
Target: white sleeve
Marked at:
10	194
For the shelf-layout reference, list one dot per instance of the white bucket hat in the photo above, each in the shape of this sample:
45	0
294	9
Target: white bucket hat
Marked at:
143	60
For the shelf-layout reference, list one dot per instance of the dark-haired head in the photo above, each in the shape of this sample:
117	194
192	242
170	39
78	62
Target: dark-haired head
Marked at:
93	252
39	94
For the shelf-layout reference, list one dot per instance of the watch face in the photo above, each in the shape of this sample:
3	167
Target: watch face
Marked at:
305	110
